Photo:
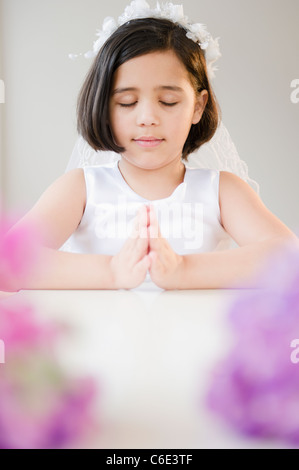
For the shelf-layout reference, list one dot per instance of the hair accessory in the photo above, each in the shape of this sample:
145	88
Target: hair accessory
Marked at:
140	9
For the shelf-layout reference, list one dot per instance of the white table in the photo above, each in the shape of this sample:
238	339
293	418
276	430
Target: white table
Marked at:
152	352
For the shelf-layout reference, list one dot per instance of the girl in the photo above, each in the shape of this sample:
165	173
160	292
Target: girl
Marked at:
148	98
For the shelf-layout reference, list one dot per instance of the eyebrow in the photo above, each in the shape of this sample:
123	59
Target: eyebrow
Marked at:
162	87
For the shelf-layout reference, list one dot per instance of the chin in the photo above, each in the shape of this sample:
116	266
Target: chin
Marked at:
151	162
146	162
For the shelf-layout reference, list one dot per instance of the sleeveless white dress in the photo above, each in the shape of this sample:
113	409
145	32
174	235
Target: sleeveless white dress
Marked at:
189	218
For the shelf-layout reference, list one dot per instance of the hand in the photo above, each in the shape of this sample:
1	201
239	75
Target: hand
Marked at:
167	267
130	265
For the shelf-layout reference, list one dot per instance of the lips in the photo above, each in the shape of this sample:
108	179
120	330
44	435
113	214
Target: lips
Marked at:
148	141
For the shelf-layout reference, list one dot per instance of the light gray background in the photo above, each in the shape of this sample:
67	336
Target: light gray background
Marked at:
259	42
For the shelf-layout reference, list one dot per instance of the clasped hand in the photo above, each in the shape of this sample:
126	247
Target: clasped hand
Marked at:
146	250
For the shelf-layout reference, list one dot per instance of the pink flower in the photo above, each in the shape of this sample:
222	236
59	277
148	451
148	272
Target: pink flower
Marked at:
19	328
256	388
41	406
18	250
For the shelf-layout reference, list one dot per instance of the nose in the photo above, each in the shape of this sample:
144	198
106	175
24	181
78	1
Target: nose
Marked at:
147	114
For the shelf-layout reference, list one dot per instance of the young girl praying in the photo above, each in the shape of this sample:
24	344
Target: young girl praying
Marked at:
148	216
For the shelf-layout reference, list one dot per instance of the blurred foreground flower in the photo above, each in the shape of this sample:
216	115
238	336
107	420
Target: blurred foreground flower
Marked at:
40	405
256	388
18	250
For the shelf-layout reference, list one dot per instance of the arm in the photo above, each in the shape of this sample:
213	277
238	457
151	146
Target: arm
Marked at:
254	228
59	270
56	216
237	268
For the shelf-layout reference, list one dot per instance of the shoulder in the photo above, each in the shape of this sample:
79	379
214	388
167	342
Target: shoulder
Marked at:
68	189
228	178
231	184
72	180
77	174
60	208
235	194
243	214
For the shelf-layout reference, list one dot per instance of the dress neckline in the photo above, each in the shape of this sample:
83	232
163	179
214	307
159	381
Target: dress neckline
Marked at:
178	191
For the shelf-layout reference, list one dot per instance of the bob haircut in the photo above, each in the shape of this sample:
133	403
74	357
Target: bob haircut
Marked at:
133	39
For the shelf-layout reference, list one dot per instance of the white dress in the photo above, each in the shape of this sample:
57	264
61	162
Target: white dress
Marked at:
189	218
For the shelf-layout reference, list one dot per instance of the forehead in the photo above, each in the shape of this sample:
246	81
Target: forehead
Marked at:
155	69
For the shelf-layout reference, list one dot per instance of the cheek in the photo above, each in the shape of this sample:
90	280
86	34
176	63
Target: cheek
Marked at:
121	116
181	124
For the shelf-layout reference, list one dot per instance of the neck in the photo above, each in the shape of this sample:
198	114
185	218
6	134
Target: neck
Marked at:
157	183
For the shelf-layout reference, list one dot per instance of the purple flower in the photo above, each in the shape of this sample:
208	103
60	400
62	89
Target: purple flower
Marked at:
41	406
73	415
256	388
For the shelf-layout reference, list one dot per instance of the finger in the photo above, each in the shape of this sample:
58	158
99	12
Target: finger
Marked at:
140	249
134	249
143	265
157	246
139	222
162	248
153	241
154	257
135	228
154	229
156	241
156	266
143	222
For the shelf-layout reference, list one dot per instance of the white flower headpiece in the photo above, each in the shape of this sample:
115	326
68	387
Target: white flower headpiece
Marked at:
141	9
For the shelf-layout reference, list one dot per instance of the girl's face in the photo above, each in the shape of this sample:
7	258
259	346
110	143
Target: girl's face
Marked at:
152	108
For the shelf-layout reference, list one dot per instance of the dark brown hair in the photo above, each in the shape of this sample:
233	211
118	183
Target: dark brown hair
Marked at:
133	39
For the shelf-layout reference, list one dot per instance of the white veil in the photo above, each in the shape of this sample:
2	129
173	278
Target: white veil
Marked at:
219	153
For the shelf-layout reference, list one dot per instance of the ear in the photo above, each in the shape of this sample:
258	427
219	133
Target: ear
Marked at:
200	104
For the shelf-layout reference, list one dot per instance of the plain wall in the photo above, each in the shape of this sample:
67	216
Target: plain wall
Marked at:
259	41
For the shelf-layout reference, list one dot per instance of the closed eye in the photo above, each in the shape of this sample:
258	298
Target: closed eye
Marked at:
168	104
127	105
